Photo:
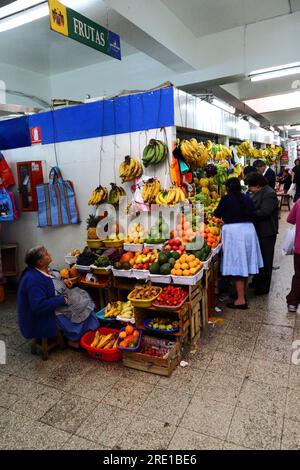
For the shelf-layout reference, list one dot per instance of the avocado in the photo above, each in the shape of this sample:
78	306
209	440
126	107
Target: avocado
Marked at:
165	269
175	255
162	258
154	268
126	266
168	254
117	265
172	262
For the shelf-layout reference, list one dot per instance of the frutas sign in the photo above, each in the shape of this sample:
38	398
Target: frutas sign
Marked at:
69	23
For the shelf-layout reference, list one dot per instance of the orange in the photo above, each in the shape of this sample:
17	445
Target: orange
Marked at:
177	265
186	272
123	344
173	271
122	335
191	258
129	329
184	266
136	334
193	270
178	272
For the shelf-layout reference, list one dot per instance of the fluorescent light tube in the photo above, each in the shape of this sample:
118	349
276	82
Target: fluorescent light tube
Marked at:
17	6
221	104
253	121
275	72
272	128
27	16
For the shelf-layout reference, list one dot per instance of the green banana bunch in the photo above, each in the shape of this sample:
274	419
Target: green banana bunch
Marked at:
115	194
155	152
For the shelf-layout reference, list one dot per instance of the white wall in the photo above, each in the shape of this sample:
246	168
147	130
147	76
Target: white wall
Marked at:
79	162
27	82
135	72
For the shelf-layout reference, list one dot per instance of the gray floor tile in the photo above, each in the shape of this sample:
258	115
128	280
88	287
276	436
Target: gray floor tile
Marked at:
167	407
255	430
92	386
19	432
182	379
185	439
128	394
291	435
231	446
78	443
219	387
235	345
138	376
278	332
273	373
68	413
293	404
229	364
146	433
36	402
200	359
105	425
243	329
208	417
273	352
262	397
294	380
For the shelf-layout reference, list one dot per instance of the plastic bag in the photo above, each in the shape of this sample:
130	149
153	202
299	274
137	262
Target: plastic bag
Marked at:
289	241
292	191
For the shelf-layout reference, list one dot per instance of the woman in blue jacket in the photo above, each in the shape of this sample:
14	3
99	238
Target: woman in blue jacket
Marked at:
43	309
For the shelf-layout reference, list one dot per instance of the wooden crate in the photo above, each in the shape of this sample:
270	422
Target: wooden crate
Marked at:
155	365
195	317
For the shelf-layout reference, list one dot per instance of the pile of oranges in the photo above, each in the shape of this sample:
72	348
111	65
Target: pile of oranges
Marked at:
187	265
129	337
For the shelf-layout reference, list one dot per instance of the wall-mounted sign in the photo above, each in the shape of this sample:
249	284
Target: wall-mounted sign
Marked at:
69	23
35	135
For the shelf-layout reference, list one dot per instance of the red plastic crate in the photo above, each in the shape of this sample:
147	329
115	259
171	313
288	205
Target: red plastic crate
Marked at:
108	355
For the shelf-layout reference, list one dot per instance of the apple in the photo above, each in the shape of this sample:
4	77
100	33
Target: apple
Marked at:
140	266
168	248
146	251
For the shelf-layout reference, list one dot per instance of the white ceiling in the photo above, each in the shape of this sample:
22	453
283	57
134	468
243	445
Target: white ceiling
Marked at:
204	17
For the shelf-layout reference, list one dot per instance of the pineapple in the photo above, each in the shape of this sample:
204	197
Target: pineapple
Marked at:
92	222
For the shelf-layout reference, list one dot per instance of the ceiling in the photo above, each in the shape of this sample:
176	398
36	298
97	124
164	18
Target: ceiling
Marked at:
204	17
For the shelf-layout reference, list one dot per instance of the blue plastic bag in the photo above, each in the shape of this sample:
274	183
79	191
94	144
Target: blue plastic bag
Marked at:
6	207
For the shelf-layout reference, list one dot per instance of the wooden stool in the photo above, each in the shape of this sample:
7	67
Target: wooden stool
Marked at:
285	201
45	346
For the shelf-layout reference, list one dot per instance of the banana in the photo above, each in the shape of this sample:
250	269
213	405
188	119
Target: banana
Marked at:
96	339
104	340
110	344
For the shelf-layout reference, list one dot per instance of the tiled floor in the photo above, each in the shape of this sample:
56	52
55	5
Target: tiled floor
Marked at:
240	390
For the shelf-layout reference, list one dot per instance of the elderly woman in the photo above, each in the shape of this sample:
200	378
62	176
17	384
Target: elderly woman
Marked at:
46	304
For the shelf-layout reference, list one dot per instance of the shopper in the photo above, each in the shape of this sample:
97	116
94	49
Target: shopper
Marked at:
293	299
296	178
266	171
285	180
44	305
266	224
241	252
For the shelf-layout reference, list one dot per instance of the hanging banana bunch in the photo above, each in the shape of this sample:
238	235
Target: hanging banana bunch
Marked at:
98	196
130	169
150	190
171	197
155	152
115	194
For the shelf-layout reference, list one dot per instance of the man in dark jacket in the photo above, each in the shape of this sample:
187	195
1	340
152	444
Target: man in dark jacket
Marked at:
266	224
266	171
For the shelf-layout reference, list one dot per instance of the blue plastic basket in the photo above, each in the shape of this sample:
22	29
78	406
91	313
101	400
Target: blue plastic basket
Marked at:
146	325
101	316
129	349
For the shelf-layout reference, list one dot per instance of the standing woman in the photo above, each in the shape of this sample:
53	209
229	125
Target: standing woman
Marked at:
293	299
266	224
241	252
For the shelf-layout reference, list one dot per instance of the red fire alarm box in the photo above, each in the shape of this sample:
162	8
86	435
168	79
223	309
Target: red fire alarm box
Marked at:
30	174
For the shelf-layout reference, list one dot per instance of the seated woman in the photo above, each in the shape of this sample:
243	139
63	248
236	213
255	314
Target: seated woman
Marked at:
46	305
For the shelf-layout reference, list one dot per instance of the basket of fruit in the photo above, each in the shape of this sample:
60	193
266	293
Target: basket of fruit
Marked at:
96	243
162	325
102	344
101	265
114	241
71	258
117	310
143	296
171	298
129	339
85	260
